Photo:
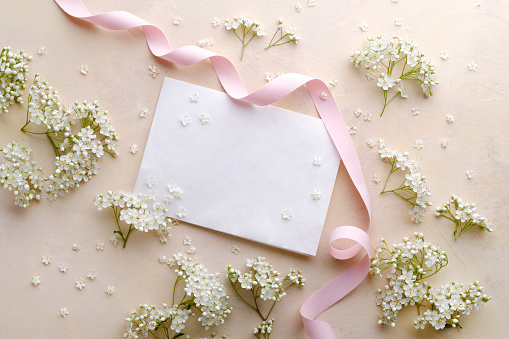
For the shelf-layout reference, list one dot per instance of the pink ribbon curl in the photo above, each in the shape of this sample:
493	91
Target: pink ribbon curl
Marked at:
266	95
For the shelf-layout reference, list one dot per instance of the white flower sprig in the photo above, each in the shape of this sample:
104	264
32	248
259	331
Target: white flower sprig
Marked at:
263	282
464	216
13	75
413	189
139	211
264	329
407	265
384	54
203	291
249	26
19	175
290	36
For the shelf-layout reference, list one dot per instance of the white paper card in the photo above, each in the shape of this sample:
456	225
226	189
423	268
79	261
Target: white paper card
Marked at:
240	170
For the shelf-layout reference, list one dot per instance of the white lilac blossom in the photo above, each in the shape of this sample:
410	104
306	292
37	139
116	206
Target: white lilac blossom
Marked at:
357	112
364	27
194	98
63	268
185	120
77	155
20	175
316	195
133	148
311	3
443	143
289	37
139	211
187	240
144	113
381	143
298	7
464	216
323	96
407	265
444	55
150	181
370	75
76	247
269	76
63	312
153	71
413	190
46	259
418	144
317	161
286	214
264	330
41	50
403	91
235	250
376	179
92	275
415	111
99	246
449	118
175	192
36	280
384	55
110	290
262	282
352	130
371	143
472	66
84	69
216	22
177	21
250	29
191	250
367	116
114	240
470	174
80	284
181	212
204	118
206	42
332	83
13	76
398	21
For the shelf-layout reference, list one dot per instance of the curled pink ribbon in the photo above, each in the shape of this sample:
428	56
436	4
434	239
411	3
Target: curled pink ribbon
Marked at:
266	95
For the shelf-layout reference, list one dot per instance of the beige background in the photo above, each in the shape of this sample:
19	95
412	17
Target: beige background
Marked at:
119	80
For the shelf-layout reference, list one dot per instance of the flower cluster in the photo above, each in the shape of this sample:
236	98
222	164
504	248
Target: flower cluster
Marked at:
203	291
263	331
464	216
290	36
13	75
139	211
383	55
263	282
248	26
20	175
407	265
413	188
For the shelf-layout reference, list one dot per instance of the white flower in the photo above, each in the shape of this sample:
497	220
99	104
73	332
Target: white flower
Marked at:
398	21
470	174
133	148
357	112
114	240
472	66
80	284
175	192
185	119
311	3
402	89
84	69
332	83
269	76
352	130
216	22
381	143
150	181
92	275
99	246
317	161
449	118
364	27
323	96
206	42
418	144
63	312
191	250
370	75
444	143
182	212
444	55
46	259
13	75
63	268
316	195
287	214
153	70
144	113
298	7
204	118
110	290
415	111
376	179
36	280
235	250
177	21
386	82
394	1
187	240
41	50
371	143
367	116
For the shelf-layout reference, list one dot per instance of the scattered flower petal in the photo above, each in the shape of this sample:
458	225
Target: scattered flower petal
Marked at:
470	174
63	268
332	83
182	212
191	250
316	195
398	21
298	7
204	118
150	181
216	22
317	161
76	247
381	143
357	113
80	284
63	312
194	98
36	280
42	50
114	240
84	69
367	116
371	143
444	55
418	144
133	148
472	66
352	130
323	96
187	240
444	143
235	250
206	42
46	259
364	27
449	118
144	113
311	3
185	120
177	21
286	214
92	275
153	71
376	179
110	290
415	111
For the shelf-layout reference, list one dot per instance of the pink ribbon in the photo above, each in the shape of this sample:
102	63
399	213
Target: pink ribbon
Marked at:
266	95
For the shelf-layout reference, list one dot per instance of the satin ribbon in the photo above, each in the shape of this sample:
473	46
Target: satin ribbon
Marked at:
266	95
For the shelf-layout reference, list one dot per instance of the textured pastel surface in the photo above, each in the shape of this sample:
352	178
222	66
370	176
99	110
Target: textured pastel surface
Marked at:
119	79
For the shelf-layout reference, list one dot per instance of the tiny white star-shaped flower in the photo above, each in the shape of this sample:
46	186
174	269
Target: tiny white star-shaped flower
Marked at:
204	118
311	3
150	181
352	130
367	116
177	21
415	111
357	112
110	290
42	50
46	259
168	198
364	27
370	75
92	275
316	195
153	71
286	214
133	148
191	250
381	143
175	191
371	143
187	240
472	66
63	312
398	21
444	55
171	262
63	268
317	161
418	144
216	22
114	240
162	260
206	42
99	246
323	96
80	284
144	113
444	143
449	118
185	120
76	247
298	7
376	179
235	250
182	212
194	98
332	83
36	280
84	69
470	174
